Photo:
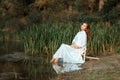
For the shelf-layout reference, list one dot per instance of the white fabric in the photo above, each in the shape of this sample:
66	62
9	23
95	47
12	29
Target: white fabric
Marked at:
72	55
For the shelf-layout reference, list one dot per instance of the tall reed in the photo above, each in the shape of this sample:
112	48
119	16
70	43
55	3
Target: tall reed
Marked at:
44	39
104	39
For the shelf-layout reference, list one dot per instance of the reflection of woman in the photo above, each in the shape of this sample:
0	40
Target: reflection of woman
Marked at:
73	53
66	67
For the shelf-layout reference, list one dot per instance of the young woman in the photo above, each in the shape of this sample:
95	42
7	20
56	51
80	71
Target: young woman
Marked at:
73	53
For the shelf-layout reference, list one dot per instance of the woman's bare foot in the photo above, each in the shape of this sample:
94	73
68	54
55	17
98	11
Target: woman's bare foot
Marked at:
56	60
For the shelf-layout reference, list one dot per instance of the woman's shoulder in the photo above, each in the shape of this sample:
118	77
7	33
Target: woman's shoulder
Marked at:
81	32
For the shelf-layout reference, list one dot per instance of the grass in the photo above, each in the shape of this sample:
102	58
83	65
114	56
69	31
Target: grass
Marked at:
104	39
44	39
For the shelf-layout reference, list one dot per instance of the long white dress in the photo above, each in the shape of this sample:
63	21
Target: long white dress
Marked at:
73	55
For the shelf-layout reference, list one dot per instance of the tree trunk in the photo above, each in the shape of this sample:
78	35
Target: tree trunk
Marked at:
101	4
91	6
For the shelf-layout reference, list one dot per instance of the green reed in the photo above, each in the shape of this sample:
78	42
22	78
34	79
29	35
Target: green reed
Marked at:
45	39
104	39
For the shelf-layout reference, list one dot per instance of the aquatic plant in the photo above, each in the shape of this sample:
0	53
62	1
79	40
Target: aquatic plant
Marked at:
44	39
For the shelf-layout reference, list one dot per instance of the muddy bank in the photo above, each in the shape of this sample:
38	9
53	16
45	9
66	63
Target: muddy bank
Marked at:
106	68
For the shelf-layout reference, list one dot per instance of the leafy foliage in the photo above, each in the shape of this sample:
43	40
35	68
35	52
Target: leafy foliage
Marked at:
110	12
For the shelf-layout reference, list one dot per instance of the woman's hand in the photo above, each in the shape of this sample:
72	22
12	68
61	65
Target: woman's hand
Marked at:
75	46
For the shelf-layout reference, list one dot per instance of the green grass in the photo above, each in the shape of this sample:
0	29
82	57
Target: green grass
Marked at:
104	39
44	39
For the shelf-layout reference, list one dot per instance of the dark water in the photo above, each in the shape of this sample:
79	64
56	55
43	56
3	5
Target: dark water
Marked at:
26	71
31	69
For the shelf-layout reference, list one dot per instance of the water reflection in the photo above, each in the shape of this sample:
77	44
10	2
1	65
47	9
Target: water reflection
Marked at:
66	67
39	70
34	68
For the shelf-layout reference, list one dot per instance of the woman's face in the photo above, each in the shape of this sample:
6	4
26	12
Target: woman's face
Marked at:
83	26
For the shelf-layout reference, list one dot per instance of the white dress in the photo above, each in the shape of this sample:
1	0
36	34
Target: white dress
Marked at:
73	55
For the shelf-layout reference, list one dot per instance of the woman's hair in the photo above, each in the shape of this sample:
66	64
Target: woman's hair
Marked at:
88	31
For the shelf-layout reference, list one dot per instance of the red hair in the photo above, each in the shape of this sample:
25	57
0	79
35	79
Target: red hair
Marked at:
88	32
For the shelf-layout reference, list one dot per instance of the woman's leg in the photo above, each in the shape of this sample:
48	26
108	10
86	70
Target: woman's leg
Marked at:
56	60
58	54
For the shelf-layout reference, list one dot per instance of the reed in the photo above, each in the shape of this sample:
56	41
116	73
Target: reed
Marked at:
44	39
104	39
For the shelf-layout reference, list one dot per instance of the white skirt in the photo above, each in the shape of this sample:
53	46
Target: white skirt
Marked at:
69	54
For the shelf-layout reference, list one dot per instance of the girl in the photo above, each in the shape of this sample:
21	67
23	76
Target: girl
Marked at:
73	53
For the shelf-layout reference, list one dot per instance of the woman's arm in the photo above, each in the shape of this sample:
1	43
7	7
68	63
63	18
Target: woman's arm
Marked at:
73	45
79	41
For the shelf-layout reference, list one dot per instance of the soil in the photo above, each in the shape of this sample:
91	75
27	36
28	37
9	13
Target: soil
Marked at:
106	68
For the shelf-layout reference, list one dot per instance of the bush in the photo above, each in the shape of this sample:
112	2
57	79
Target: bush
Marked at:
90	19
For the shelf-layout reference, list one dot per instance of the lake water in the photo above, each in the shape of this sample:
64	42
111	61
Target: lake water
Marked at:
29	70
32	69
